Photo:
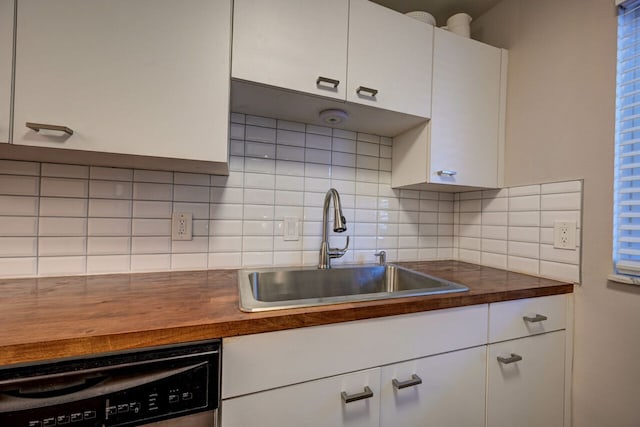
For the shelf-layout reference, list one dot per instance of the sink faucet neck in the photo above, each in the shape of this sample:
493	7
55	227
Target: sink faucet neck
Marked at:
339	226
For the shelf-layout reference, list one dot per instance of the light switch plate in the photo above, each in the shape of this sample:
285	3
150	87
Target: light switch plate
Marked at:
291	227
182	226
564	234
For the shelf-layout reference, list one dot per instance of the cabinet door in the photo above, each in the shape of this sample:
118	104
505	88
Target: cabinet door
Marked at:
465	112
529	392
312	404
6	61
452	392
292	44
141	77
390	53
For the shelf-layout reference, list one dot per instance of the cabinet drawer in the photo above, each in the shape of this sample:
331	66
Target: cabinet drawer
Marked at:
312	404
258	362
521	318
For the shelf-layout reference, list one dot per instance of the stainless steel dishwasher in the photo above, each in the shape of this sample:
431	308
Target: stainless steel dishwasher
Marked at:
175	386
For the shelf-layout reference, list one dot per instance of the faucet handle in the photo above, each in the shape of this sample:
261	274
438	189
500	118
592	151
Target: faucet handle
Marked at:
382	257
339	252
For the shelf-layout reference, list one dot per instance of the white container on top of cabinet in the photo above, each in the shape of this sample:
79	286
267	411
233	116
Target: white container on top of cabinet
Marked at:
6	62
294	59
462	145
148	79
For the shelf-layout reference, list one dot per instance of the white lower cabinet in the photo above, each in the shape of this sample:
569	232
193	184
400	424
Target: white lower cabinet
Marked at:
351	400
436	368
443	390
526	387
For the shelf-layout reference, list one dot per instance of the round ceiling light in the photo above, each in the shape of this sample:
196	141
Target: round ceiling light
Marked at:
333	116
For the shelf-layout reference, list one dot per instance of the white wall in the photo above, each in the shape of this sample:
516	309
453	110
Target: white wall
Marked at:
560	125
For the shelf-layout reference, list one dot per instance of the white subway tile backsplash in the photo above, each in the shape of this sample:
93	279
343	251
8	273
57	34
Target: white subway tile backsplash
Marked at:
150	245
225	260
559	271
523	265
260	121
236	131
565	256
18	206
287	168
344	159
524	219
109	227
227	195
259	165
150	262
199	210
257	259
561	202
498	232
57	206
64	171
527	190
108	263
341	145
562	187
260	134
61	246
547	218
289	137
62	226
146	209
108	245
191	179
12	167
494	260
160	177
190	193
236	147
19	185
19	226
295	126
152	191
494	246
18	246
260	150
289	198
524	249
151	227
19	267
189	261
225	244
193	246
62	265
110	189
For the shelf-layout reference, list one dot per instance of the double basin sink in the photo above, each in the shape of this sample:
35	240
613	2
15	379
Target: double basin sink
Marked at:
281	288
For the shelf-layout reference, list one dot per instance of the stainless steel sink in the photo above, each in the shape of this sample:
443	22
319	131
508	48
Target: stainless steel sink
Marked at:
278	288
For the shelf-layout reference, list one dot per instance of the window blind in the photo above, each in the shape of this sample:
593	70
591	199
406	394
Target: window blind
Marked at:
626	251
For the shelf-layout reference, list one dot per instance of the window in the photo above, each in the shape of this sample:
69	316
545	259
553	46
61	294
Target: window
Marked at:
626	222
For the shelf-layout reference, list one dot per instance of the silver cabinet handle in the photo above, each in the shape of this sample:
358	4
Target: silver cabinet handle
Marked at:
506	360
372	92
41	126
333	82
366	394
447	172
537	318
415	380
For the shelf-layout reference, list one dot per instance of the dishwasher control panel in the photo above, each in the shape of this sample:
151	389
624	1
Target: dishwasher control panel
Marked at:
129	392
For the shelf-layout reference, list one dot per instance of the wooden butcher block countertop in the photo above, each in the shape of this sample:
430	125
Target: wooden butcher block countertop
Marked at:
48	318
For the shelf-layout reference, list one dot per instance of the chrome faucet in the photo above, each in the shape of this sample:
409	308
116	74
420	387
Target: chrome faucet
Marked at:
339	226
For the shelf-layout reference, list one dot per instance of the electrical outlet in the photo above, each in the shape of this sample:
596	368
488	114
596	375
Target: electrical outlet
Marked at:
564	235
182	226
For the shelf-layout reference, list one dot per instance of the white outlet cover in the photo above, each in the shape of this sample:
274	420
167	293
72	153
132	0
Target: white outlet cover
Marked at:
564	235
182	226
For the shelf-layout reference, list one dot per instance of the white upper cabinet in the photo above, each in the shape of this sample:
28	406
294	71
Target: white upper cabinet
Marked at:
6	61
389	62
294	59
466	110
463	143
299	45
134	77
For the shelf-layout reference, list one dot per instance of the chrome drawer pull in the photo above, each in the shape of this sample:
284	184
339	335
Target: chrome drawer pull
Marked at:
537	318
415	380
372	92
333	82
447	173
506	360
366	394
41	126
